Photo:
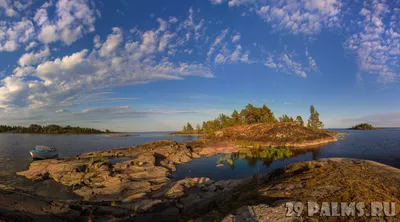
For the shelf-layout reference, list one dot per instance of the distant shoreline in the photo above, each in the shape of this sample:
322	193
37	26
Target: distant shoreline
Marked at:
185	134
115	135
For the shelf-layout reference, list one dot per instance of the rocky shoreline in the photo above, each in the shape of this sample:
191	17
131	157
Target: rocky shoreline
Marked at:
137	187
258	198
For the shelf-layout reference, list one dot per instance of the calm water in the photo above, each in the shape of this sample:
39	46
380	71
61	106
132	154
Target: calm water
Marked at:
14	154
379	145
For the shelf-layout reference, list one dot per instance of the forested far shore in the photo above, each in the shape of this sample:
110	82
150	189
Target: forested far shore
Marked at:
249	115
50	129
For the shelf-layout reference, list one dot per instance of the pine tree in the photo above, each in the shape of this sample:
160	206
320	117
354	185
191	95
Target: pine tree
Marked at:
248	114
267	116
235	118
314	122
285	119
189	127
198	128
184	128
299	121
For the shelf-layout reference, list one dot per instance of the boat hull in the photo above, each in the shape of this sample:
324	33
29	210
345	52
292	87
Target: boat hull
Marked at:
43	155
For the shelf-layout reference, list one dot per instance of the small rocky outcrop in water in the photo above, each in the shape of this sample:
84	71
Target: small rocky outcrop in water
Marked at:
275	134
363	126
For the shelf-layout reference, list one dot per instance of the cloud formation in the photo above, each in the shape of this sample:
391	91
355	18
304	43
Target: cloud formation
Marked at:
377	41
121	59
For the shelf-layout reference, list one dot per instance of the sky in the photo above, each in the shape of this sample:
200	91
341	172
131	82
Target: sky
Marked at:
155	65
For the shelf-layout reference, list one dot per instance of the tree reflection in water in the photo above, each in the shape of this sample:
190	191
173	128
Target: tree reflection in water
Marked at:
267	156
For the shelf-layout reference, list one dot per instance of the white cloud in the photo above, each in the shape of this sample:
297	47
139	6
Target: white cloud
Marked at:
11	8
48	34
164	40
236	38
34	58
112	43
217	42
12	34
285	63
24	71
73	19
296	16
216	2
117	61
377	43
173	20
31	46
228	56
233	3
311	61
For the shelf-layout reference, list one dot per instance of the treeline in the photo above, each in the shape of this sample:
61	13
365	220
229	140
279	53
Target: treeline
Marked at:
188	128
252	114
50	129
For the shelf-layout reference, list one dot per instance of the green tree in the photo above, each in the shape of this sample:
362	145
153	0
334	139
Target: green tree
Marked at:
189	127
249	114
108	131
285	119
267	116
198	128
235	117
314	122
299	121
184	129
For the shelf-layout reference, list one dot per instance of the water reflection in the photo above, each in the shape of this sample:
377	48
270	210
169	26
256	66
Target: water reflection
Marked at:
244	163
266	156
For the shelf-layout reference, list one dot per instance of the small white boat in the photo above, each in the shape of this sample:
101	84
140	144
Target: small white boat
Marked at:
43	152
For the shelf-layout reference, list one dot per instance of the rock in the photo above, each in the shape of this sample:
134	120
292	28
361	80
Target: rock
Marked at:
176	191
202	180
222	184
141	205
115	211
195	155
145	158
113	189
259	213
19	205
133	197
171	214
180	157
152	173
168	164
194	203
211	188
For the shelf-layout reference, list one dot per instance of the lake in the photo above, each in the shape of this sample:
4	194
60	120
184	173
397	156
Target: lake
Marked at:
15	155
378	145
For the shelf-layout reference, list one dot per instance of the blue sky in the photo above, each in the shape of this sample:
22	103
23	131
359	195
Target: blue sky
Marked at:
154	65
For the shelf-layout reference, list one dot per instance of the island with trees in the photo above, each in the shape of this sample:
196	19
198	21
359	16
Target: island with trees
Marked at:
363	126
50	129
259	124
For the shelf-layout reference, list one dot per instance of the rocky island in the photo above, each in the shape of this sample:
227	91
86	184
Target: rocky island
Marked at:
363	126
